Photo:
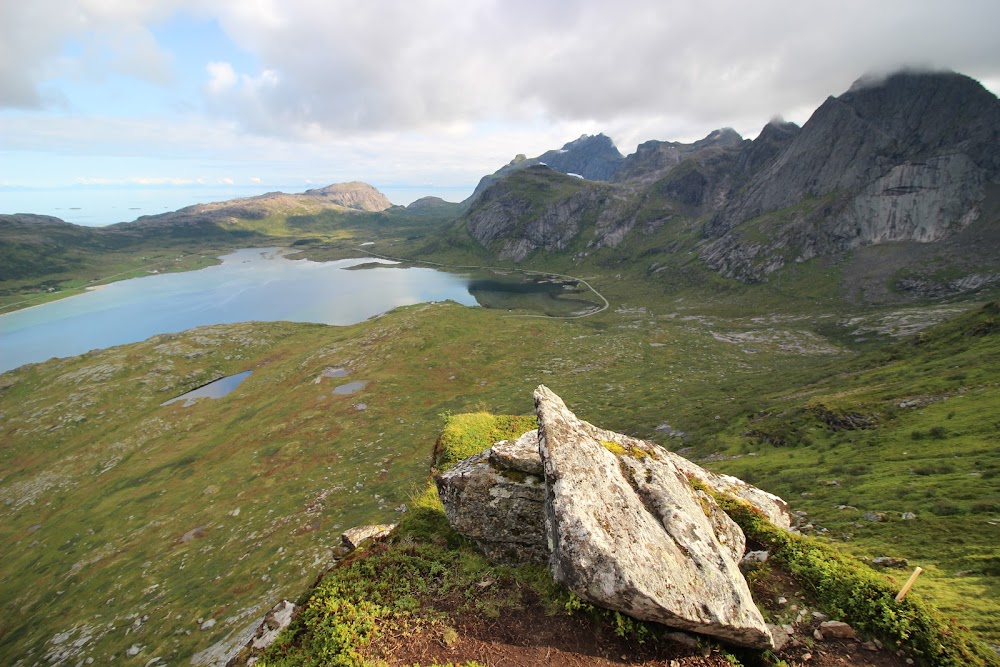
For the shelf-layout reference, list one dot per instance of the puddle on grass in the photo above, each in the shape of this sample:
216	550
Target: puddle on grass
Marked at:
350	388
335	372
217	389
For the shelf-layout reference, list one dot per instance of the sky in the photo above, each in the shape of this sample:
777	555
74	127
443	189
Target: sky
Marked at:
110	109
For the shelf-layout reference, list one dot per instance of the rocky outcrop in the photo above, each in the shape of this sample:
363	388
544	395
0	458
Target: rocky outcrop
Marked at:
275	620
352	538
653	160
906	158
496	498
629	532
623	523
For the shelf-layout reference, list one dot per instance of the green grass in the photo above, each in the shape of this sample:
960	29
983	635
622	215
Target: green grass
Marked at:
851	591
934	457
463	435
113	482
357	614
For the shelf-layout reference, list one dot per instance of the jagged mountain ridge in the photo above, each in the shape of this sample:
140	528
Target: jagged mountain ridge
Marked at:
914	157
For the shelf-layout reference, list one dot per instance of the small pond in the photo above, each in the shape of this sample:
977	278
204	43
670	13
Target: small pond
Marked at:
216	389
350	388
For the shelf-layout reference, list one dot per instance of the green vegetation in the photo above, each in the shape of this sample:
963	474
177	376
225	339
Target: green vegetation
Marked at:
416	587
130	509
908	429
852	591
427	578
463	435
116	509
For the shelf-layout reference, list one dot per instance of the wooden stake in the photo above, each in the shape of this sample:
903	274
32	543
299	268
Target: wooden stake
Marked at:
908	584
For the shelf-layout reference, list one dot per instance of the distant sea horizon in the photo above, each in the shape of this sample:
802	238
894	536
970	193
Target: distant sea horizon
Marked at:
96	206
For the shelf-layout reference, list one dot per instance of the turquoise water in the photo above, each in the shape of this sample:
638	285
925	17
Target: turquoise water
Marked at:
256	284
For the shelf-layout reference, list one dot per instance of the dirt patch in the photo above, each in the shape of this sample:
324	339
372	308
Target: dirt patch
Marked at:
530	636
527	637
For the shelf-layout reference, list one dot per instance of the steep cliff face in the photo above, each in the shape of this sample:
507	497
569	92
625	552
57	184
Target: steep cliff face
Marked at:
534	208
516	214
903	159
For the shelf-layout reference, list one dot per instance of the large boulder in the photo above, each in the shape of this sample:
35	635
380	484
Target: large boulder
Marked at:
496	498
628	531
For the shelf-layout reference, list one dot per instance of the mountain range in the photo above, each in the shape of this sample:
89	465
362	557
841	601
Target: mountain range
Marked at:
911	160
896	182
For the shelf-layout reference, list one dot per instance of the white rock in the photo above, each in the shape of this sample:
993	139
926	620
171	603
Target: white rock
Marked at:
630	533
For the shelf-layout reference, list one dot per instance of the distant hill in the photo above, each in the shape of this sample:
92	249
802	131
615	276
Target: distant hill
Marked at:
341	197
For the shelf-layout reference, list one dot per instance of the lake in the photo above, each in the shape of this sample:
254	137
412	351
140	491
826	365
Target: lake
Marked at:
256	284
259	284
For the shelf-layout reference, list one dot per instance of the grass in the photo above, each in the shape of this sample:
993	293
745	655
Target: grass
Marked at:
100	485
928	451
851	591
365	608
395	592
463	435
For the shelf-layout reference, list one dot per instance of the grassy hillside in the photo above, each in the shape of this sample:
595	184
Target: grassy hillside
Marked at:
427	593
116	508
126	522
911	429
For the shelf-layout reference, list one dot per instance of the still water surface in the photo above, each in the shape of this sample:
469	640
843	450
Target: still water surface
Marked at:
256	284
218	389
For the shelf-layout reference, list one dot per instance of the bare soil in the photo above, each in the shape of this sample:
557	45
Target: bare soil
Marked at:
531	636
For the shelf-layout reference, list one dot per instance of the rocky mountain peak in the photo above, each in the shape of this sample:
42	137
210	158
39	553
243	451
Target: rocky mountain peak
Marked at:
593	157
356	195
904	158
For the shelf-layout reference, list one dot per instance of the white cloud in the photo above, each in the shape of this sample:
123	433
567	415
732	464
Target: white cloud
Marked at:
222	77
667	65
444	91
114	36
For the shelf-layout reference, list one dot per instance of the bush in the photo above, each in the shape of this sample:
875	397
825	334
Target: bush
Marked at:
946	508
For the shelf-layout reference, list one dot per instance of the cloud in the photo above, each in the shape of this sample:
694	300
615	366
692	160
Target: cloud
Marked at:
108	36
221	79
444	91
379	65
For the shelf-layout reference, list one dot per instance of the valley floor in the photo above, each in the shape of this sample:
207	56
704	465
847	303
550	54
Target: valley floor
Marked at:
128	526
